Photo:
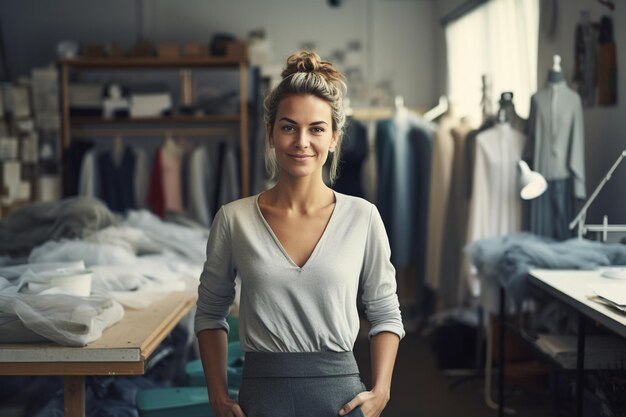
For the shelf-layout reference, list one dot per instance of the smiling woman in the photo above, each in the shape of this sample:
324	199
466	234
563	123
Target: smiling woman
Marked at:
307	75
304	254
303	137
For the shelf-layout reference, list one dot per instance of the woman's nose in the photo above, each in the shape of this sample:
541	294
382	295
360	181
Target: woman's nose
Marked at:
302	140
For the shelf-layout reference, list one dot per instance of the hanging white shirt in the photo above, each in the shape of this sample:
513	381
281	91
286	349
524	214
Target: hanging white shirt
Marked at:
496	206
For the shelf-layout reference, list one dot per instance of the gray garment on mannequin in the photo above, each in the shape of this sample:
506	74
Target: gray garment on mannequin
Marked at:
551	212
556	133
287	308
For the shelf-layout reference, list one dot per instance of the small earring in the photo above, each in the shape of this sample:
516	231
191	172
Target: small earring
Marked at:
331	150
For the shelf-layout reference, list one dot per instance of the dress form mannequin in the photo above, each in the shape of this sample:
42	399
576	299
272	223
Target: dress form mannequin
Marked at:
400	112
508	108
555	74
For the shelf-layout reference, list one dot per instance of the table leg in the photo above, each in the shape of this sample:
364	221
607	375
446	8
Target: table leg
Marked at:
74	396
502	322
580	366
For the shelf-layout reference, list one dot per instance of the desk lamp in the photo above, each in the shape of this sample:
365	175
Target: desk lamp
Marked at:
533	183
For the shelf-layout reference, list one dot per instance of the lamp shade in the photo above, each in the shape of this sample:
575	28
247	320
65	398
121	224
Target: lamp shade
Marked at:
533	183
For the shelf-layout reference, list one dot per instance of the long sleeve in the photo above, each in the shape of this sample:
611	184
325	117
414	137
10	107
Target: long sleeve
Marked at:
378	281
216	291
285	307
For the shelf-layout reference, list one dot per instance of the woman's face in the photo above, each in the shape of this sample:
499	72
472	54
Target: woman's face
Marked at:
302	135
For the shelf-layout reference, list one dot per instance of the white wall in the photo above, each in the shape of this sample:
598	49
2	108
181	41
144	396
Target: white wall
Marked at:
397	33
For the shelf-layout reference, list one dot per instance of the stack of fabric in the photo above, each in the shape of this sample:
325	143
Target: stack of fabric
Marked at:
131	262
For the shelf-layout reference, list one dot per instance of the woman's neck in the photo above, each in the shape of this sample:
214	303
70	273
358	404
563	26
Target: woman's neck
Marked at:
301	194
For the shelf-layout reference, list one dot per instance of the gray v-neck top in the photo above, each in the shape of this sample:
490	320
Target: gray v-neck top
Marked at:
285	308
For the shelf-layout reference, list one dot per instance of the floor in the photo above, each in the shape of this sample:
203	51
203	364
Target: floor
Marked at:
420	389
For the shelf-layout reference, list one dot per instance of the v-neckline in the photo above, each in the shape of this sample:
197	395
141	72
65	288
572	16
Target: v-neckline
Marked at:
280	245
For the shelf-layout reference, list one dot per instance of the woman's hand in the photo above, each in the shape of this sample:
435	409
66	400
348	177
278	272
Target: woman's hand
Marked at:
228	408
372	403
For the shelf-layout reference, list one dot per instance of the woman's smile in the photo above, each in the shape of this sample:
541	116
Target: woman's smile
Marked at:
301	157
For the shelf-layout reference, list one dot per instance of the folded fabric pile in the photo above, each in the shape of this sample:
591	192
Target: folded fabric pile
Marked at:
66	319
506	260
131	262
37	223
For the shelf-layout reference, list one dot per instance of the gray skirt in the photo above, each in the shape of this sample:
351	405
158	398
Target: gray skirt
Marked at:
313	384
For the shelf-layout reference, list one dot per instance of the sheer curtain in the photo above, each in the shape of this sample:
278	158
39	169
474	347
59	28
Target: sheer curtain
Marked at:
499	39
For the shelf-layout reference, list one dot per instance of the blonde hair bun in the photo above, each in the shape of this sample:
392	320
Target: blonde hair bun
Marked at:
310	62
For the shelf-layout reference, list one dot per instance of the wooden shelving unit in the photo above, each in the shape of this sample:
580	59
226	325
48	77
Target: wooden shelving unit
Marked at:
176	124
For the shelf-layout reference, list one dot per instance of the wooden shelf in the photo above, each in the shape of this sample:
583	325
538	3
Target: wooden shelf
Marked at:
155	62
176	119
132	127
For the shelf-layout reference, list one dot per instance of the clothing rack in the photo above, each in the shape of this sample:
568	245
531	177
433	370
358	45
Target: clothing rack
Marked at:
366	114
440	109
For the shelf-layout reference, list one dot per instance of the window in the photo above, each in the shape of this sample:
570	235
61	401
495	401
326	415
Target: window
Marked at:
500	40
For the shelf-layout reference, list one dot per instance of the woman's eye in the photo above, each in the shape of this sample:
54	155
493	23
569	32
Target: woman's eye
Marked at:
318	130
287	128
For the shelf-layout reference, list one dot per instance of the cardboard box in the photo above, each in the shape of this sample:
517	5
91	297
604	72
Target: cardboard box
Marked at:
237	50
143	49
115	51
196	50
93	51
169	50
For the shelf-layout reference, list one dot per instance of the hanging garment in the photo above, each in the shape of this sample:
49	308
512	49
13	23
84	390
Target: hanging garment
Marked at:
229	185
353	154
403	158
607	64
556	138
73	160
89	183
518	123
172	187
450	290
115	188
165	190
585	71
140	177
441	174
553	210
90	176
470	155
495	207
155	197
202	184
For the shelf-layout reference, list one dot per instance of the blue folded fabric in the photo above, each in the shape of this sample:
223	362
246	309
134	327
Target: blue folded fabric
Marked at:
506	260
